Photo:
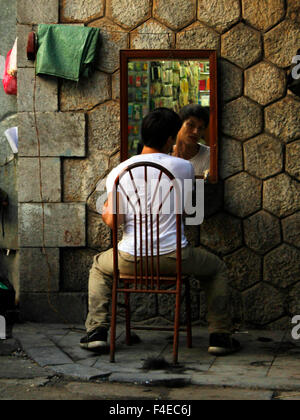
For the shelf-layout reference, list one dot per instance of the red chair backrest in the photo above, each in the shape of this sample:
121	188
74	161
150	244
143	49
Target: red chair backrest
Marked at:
147	218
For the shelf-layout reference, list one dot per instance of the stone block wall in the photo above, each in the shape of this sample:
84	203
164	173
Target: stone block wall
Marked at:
8	161
251	215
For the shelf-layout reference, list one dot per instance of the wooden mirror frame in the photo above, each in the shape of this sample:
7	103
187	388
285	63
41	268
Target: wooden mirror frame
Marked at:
155	55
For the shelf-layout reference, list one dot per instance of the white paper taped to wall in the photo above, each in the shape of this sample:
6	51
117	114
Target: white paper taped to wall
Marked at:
12	137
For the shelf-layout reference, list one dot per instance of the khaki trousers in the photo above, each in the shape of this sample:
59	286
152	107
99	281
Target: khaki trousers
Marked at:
205	266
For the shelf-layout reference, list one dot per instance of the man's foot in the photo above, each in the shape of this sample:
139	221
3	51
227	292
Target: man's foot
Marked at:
221	344
95	340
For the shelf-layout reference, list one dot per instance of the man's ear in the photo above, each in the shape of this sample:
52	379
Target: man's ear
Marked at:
172	140
169	145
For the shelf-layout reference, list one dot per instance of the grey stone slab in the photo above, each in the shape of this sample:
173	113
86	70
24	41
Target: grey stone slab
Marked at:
6	153
287	396
90	361
288	372
70	338
85	94
120	366
151	378
54	307
81	372
31	339
248	355
8	182
55	328
75	352
34	266
218	393
129	356
25	327
286	365
8	103
59	134
68	218
258	371
250	382
30	225
7	24
36	93
48	355
22	33
13	367
80	259
39	180
8	346
37	11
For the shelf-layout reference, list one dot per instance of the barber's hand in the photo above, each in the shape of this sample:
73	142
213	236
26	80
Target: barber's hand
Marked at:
105	205
206	175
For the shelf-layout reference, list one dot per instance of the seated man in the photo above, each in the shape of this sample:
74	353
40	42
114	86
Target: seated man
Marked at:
159	131
195	120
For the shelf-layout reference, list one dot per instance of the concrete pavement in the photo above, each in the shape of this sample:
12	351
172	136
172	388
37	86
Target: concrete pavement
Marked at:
269	360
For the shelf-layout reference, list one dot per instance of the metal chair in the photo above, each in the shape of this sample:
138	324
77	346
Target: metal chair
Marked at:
147	279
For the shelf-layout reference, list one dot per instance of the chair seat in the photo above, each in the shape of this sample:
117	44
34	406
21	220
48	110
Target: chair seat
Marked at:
130	277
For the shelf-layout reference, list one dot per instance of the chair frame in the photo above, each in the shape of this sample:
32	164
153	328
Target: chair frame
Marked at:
145	281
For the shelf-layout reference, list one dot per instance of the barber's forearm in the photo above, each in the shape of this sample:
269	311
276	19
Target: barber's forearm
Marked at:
107	216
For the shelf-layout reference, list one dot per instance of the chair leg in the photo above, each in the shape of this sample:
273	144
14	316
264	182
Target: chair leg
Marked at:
113	324
176	328
127	314
188	314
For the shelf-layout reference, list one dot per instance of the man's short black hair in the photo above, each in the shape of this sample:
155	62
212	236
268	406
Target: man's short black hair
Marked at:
195	110
158	126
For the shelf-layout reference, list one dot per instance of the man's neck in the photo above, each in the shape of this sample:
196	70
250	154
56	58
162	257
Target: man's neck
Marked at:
186	150
147	150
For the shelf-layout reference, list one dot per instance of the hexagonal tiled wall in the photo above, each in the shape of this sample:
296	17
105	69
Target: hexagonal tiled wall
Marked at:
78	11
241	45
252	215
242	194
197	36
183	13
263	14
220	15
113	39
152	35
263	156
281	43
128	13
264	83
242	119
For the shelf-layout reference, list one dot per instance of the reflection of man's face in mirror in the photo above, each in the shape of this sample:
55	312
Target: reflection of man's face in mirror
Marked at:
191	136
192	130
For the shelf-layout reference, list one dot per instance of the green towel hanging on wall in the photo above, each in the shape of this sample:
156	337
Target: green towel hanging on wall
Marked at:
66	51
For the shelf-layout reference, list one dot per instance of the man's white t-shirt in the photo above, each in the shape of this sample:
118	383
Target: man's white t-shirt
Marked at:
182	170
201	161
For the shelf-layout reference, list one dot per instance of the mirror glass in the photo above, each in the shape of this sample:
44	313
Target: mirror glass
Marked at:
172	82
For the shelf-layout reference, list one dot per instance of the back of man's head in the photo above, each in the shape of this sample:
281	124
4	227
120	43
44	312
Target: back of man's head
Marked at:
158	126
194	110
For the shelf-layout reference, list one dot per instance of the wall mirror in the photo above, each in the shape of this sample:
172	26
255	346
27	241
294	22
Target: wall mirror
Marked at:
168	78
